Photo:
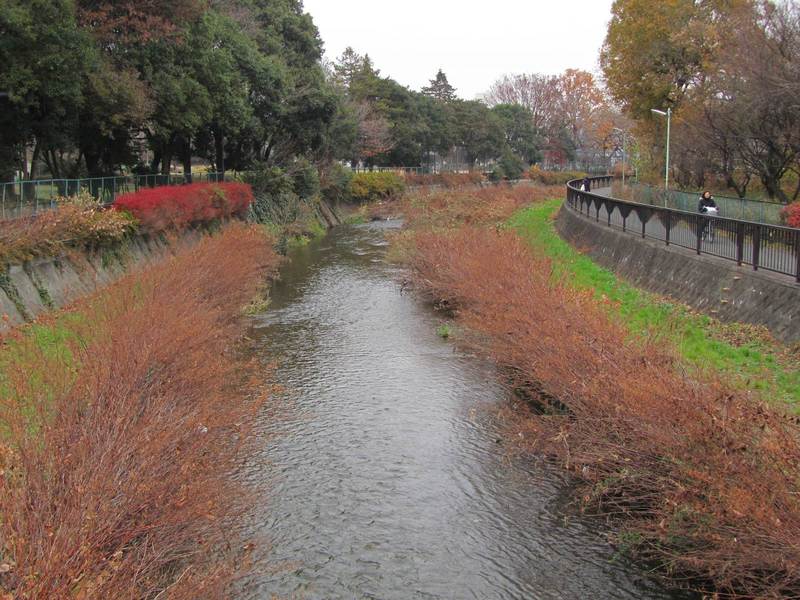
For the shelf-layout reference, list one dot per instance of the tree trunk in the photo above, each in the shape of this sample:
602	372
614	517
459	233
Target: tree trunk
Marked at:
55	167
186	158
166	162
155	164
37	148
92	163
219	145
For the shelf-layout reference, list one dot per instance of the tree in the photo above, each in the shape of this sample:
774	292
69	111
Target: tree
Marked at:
440	88
752	97
729	69
347	66
538	93
655	51
45	59
520	136
580	98
479	131
562	109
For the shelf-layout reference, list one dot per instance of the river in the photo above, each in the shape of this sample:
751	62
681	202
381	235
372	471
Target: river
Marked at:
388	477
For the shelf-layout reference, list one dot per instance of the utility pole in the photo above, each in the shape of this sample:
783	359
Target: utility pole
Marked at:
667	114
622	131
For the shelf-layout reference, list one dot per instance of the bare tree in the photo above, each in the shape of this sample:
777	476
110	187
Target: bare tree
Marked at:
742	121
538	93
374	131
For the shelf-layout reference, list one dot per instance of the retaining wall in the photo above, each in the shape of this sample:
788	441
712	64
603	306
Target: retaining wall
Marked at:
714	286
34	287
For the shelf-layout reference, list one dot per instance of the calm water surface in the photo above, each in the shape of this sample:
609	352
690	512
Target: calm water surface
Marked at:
387	480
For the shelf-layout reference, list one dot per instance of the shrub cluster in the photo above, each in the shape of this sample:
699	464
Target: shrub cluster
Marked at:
703	476
791	215
77	222
442	209
447	180
536	173
335	183
373	185
182	206
123	427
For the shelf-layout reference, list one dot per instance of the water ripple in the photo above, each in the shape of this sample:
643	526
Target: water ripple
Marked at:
388	481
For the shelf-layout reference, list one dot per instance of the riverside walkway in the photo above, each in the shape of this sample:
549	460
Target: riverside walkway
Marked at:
762	246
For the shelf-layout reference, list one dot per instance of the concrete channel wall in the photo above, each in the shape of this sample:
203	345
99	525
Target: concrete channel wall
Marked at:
29	289
714	286
36	286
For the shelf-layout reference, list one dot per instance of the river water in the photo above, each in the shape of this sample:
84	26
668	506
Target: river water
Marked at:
388	478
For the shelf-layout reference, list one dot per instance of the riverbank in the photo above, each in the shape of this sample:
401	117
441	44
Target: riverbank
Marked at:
745	355
390	477
698	473
124	417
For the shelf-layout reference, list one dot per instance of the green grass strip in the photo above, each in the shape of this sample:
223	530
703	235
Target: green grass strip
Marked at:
753	362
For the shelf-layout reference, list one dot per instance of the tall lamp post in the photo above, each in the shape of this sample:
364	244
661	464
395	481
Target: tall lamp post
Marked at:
667	114
622	131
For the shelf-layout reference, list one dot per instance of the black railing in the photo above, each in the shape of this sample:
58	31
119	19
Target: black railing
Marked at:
763	246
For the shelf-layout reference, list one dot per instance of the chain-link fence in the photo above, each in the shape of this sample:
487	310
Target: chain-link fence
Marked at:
26	198
732	208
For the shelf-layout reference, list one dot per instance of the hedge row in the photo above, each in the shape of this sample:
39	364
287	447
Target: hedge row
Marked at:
373	185
182	206
791	215
82	222
553	177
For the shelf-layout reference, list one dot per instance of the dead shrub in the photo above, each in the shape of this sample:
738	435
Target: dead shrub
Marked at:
487	205
77	222
120	482
703	478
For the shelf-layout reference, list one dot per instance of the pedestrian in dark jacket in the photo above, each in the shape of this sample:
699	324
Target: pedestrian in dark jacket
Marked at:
705	206
586	186
706	202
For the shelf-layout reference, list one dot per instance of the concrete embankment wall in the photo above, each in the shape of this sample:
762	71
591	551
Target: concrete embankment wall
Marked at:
714	286
31	288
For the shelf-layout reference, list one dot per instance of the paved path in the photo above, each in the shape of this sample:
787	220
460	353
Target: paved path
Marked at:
777	253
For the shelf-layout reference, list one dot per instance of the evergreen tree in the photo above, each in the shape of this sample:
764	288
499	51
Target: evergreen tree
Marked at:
440	88
347	66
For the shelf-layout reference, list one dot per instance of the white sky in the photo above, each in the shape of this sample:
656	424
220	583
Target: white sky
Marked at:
473	42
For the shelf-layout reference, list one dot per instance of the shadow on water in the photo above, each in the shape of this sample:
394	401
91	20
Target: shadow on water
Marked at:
387	481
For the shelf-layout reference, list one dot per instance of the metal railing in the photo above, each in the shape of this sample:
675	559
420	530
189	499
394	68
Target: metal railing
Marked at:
763	246
26	198
412	170
743	209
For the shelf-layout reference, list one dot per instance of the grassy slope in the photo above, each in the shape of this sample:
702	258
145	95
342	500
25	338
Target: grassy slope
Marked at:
755	363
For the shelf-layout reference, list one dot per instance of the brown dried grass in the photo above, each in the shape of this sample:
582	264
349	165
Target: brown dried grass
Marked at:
703	479
79	222
119	480
431	208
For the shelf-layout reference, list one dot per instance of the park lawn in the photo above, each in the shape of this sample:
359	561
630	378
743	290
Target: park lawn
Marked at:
751	361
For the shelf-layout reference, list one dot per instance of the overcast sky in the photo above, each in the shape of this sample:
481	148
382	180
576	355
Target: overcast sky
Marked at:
473	42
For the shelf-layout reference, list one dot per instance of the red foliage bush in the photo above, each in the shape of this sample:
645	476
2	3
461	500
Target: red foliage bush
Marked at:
791	215
118	482
704	476
181	206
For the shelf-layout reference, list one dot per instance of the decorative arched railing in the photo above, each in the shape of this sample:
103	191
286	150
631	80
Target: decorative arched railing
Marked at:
769	247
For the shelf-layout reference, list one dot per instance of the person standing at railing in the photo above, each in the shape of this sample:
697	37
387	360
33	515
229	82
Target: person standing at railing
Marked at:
708	207
586	185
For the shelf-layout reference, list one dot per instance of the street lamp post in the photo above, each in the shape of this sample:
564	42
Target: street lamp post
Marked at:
667	114
623	154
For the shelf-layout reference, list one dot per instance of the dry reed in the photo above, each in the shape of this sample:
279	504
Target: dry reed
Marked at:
118	481
703	479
